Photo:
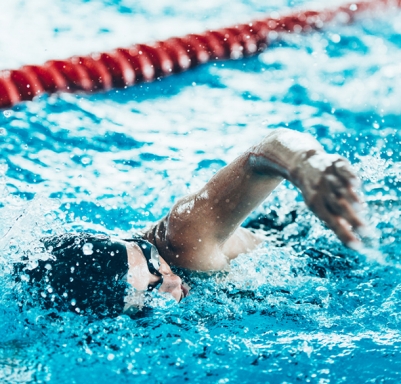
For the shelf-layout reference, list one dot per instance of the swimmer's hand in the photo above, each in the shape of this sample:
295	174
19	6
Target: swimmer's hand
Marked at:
329	186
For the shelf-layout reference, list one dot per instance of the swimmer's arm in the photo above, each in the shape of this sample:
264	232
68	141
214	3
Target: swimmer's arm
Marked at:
200	226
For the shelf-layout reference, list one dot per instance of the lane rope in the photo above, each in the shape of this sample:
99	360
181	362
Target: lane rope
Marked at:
124	67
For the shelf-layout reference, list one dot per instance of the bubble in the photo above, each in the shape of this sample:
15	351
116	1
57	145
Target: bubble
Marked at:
24	278
335	38
87	249
86	160
73	302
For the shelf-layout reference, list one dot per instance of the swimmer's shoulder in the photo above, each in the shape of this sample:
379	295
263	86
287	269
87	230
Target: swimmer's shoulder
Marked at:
185	249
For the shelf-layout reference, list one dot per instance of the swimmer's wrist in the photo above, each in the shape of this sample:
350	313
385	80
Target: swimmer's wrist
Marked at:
283	153
298	163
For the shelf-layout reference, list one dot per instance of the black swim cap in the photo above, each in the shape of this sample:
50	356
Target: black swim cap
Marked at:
85	274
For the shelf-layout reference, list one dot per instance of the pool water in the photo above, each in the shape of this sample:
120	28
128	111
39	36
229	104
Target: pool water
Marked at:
302	308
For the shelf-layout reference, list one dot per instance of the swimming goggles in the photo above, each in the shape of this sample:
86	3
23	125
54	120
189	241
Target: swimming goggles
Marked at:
152	258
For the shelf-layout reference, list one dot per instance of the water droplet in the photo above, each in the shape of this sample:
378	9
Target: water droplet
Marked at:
87	249
86	160
335	38
25	278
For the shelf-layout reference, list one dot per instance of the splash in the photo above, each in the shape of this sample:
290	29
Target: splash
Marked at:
302	307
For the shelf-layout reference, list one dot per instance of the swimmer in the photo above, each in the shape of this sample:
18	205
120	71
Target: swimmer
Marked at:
91	274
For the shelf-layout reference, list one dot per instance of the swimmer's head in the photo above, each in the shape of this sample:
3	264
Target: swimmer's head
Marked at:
96	275
84	274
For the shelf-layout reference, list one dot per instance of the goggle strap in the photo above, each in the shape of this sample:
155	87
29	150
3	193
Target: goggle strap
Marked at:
146	248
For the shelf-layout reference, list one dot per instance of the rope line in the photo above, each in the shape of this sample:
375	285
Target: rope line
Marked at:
124	67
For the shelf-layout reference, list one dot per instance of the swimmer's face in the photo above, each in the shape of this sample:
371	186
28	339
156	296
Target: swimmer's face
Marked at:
140	278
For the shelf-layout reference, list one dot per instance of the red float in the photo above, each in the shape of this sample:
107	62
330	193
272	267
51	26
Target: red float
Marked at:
146	62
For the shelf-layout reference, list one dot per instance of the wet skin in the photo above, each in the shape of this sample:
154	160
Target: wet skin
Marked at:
202	231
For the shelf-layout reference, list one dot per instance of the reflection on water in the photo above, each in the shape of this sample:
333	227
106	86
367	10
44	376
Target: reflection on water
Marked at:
302	308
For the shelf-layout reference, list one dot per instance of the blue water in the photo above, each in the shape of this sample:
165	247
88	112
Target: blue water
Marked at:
302	308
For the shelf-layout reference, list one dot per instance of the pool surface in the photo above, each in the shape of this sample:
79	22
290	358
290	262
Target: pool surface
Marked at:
302	308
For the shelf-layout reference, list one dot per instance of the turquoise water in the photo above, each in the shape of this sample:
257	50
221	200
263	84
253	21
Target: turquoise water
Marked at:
302	308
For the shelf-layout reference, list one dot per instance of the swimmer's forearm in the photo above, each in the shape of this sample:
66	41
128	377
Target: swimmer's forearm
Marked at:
281	151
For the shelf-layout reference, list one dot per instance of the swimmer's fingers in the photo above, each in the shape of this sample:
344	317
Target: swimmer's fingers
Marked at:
349	181
344	170
342	229
339	188
339	217
340	206
343	199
